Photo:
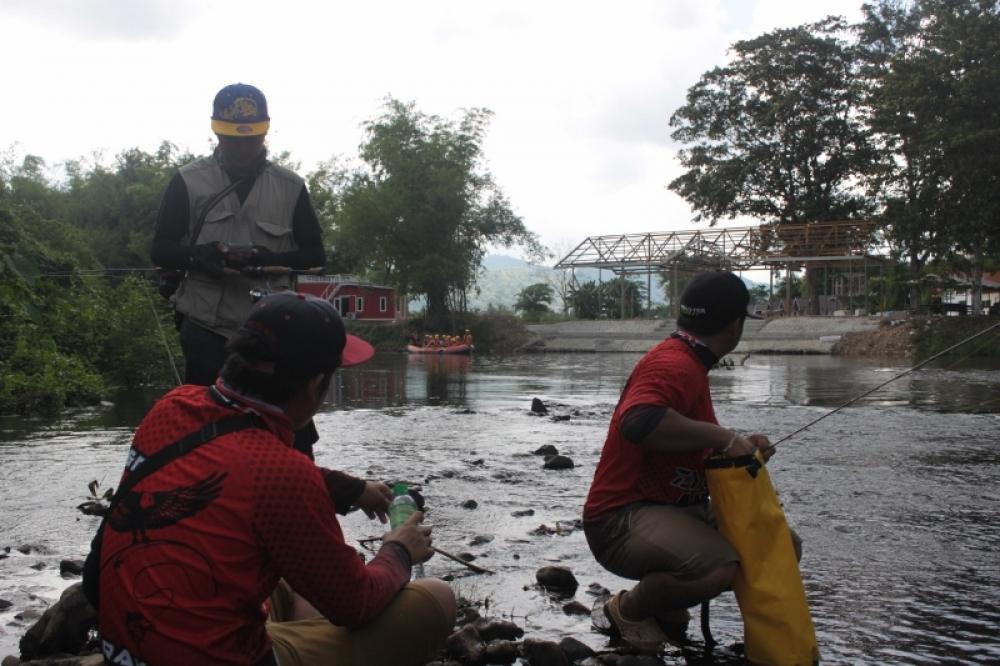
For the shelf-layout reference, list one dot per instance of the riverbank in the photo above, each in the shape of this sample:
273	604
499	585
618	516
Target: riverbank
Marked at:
788	335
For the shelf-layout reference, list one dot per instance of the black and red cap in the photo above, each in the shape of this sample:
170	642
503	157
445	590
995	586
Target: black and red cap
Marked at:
302	335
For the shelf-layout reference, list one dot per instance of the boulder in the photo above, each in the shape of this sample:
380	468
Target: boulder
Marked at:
470	504
62	628
492	629
465	646
575	608
501	652
546	450
543	653
538	407
559	579
558	462
70	568
574	649
522	513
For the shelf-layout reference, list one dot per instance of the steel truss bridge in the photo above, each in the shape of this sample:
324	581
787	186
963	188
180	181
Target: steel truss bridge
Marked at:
770	246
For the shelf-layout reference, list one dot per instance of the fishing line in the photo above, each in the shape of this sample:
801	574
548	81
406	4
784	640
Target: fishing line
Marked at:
888	381
163	338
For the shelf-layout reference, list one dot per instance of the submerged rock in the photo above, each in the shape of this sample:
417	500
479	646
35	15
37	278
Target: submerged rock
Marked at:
492	629
500	652
558	462
522	513
574	649
556	578
71	568
543	653
546	450
465	645
575	608
538	407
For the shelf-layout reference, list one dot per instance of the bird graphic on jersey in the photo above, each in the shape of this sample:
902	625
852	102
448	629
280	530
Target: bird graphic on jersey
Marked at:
141	511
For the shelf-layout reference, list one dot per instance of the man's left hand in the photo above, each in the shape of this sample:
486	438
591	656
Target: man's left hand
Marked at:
375	500
762	443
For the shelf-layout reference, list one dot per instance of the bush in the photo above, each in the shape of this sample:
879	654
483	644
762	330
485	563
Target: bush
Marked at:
38	379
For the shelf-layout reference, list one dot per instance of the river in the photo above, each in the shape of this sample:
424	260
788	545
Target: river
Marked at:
895	497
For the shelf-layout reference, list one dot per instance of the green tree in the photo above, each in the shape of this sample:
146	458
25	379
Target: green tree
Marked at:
422	216
775	134
534	300
932	81
622	298
585	299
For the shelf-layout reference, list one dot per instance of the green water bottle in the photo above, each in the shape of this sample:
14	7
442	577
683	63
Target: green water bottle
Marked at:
402	507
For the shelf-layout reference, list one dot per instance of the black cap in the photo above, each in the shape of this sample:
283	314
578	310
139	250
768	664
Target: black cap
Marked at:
301	335
712	300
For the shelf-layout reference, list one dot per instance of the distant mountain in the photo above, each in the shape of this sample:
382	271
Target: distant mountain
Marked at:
502	278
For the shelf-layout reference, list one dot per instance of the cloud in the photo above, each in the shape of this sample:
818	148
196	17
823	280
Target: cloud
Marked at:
126	20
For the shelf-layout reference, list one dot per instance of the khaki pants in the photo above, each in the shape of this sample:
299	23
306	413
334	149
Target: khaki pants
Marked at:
411	630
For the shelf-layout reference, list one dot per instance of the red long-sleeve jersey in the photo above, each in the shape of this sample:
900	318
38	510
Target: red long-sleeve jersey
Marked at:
195	548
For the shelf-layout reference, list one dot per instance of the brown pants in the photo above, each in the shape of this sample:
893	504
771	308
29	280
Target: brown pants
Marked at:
410	631
644	538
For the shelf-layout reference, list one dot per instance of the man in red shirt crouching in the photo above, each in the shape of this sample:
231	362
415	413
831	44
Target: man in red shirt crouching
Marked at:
191	551
647	516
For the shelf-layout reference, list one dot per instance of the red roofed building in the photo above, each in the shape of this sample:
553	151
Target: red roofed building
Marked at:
354	298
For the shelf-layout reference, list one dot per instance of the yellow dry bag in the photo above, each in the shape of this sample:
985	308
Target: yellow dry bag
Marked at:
777	626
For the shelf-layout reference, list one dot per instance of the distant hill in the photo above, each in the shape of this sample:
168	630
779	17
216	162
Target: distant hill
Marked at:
503	277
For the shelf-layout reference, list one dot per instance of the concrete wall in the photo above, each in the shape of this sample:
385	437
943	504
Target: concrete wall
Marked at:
787	335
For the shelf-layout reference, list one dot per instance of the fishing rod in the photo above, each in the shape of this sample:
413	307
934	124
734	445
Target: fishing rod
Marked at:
888	381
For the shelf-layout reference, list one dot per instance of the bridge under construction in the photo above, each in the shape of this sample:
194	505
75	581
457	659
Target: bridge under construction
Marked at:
844	252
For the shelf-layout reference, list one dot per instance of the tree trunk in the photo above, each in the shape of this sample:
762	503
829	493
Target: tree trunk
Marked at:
977	280
437	309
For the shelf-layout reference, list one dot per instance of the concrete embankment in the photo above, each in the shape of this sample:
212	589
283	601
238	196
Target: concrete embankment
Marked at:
788	335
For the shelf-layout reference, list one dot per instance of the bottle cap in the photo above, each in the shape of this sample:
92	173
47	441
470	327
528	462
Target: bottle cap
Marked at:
400	489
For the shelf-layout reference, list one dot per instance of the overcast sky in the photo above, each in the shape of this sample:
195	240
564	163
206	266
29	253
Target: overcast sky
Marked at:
581	91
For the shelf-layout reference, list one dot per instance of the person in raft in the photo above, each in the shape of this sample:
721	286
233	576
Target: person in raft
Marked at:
647	516
198	549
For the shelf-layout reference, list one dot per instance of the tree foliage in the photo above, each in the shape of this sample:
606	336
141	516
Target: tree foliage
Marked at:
616	299
67	334
423	214
534	300
932	78
774	134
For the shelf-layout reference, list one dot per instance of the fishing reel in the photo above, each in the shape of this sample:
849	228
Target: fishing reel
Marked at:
258	293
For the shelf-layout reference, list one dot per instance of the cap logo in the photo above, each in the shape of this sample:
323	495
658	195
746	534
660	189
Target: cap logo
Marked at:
242	107
244	129
692	311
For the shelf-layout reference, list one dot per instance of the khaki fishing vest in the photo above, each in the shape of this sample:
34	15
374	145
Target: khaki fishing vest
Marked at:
264	219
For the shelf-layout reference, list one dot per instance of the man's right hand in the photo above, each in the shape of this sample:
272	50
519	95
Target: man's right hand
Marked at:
209	259
416	538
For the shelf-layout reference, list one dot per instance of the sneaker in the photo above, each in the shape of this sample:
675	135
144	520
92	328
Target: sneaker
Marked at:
643	635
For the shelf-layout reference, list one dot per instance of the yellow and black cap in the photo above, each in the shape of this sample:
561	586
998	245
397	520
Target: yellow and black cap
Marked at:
240	109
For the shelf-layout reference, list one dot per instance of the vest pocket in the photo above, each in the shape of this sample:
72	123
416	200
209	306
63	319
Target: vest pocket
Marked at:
274	237
217	228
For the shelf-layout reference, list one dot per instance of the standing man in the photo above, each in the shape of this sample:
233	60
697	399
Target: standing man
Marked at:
222	220
201	536
647	516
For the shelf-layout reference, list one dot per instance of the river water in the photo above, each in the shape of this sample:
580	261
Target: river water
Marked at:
896	497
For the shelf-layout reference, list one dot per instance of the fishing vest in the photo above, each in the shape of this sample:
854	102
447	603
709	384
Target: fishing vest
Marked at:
264	219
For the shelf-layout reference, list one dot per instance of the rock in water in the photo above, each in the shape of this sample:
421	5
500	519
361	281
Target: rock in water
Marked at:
63	627
556	578
558	462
